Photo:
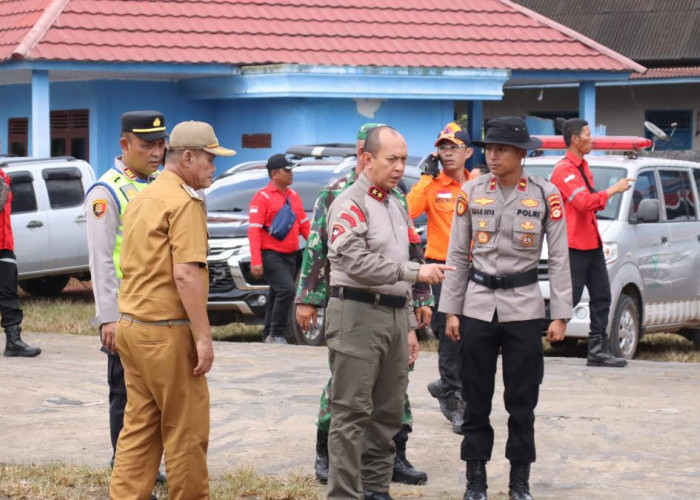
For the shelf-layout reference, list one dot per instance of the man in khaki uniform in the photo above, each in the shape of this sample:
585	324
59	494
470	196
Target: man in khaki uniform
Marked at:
163	335
370	320
493	302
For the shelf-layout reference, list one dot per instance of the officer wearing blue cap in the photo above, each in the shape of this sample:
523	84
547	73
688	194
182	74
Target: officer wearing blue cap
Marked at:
493	301
142	143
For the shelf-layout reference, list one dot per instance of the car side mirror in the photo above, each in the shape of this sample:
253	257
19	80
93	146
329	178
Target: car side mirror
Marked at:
649	211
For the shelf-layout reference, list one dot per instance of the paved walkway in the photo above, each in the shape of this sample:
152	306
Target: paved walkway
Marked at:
618	434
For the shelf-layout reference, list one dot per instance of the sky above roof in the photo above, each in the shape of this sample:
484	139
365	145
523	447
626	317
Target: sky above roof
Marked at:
489	34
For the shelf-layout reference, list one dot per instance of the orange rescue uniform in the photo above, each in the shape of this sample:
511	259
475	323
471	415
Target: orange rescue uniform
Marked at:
437	198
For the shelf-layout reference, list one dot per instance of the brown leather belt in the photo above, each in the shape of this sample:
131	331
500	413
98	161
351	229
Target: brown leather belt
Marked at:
167	322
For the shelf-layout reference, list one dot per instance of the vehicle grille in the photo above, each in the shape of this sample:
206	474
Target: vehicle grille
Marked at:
542	270
220	279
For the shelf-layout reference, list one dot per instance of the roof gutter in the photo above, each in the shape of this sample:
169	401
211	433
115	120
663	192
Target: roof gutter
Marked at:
47	19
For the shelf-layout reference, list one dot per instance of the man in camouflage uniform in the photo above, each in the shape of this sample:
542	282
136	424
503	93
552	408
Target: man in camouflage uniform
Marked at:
312	293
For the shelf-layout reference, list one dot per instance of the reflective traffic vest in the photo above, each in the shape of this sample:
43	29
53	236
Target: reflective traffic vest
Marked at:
123	186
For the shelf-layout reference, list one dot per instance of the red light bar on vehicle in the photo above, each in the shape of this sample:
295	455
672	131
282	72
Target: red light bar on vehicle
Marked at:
612	142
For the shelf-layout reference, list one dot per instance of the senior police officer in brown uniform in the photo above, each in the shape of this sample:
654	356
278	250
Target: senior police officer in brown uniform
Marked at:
163	335
370	320
493	301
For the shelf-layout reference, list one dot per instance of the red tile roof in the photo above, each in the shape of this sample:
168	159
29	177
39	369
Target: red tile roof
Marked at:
487	34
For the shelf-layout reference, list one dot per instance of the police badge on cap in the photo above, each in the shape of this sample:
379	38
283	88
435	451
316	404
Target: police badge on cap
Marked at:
146	125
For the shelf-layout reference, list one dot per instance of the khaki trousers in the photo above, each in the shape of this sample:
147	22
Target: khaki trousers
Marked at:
167	407
368	354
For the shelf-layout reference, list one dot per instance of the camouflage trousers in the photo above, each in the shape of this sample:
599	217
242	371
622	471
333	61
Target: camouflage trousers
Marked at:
324	412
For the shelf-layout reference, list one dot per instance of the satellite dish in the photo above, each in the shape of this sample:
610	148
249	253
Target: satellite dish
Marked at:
656	131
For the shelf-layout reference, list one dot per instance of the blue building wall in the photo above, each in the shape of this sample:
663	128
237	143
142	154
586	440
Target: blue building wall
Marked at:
290	121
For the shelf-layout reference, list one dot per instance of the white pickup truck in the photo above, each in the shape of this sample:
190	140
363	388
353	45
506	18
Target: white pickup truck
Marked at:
48	221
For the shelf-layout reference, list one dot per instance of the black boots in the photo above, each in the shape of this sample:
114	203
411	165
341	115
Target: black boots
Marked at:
476	480
519	487
14	345
404	472
452	407
321	463
599	353
375	495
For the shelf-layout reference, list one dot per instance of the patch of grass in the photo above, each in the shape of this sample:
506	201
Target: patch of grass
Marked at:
667	347
67	482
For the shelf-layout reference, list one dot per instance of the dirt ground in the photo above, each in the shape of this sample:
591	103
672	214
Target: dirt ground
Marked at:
630	433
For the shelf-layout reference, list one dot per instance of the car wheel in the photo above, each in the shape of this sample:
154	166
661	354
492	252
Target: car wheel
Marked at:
624	331
48	286
316	336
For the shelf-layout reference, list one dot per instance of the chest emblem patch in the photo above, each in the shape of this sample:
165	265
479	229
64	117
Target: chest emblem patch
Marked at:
483	237
483	201
337	230
527	225
527	240
462	203
482	224
129	191
530	203
99	208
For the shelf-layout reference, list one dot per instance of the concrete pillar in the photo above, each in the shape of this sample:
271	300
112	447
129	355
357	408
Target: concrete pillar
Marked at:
40	138
586	103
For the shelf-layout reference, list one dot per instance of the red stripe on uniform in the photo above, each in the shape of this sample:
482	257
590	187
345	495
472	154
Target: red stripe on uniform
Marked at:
356	210
349	218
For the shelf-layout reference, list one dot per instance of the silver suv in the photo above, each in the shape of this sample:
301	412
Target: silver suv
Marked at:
48	220
651	240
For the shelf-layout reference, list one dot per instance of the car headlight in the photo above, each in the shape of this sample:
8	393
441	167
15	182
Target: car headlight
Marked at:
610	252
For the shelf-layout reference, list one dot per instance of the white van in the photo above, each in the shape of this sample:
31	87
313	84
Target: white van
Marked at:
651	241
48	220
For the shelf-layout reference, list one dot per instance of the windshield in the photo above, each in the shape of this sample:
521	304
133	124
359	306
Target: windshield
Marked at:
233	193
604	178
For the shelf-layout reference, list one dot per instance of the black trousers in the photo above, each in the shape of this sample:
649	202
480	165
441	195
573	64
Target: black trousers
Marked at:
279	270
588	269
117	395
9	299
520	343
449	356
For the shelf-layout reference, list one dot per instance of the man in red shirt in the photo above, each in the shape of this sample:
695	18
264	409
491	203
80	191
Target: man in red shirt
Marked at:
581	201
271	257
9	299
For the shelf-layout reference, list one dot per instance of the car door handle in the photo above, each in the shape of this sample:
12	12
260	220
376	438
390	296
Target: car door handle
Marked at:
35	223
80	219
664	239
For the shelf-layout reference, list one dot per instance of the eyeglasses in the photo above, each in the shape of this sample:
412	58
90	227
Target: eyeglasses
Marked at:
451	147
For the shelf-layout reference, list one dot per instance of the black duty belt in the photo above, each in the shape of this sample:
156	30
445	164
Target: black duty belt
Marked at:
496	281
377	299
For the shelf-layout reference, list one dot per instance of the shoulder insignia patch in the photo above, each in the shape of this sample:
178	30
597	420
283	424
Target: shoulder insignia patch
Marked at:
356	210
99	208
483	201
493	183
522	184
193	194
527	225
555	209
377	193
129	191
349	218
529	203
129	173
527	240
336	231
462	203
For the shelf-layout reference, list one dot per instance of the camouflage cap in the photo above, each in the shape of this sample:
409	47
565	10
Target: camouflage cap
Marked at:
362	132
